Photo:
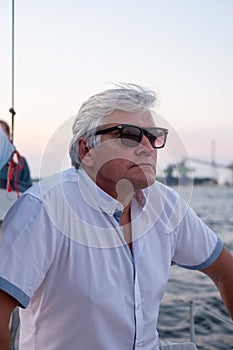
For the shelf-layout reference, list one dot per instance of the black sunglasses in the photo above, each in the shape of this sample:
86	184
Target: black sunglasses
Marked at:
131	135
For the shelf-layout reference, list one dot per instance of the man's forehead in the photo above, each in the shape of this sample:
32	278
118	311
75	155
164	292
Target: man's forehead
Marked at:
123	117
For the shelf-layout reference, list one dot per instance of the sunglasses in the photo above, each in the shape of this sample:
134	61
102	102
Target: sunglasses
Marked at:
131	135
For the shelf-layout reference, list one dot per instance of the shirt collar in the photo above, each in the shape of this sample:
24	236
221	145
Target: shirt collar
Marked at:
101	200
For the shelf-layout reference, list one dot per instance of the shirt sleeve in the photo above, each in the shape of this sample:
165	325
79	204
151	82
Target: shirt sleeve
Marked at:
197	246
27	247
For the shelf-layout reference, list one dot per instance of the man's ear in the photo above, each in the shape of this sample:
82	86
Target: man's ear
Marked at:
84	152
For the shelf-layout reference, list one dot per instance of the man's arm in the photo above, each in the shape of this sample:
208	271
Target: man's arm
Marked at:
221	272
7	305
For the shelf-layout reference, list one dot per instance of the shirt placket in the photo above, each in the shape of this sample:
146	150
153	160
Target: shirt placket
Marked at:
138	312
138	305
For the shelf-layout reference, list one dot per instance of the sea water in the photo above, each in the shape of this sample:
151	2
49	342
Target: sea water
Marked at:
213	326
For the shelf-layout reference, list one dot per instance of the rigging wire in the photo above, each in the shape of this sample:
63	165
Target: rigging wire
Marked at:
11	110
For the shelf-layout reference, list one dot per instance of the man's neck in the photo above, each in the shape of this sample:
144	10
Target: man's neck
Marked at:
123	191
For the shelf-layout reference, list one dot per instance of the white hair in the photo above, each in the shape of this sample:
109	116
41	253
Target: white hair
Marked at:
126	97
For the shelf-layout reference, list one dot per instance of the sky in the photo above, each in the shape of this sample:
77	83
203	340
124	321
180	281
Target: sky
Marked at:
65	51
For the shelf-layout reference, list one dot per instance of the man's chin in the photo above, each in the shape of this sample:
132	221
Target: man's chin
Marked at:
144	183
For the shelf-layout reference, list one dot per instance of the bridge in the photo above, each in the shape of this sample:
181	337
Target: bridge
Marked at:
183	168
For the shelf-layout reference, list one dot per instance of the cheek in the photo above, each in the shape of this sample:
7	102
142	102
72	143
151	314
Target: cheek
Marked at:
112	156
115	168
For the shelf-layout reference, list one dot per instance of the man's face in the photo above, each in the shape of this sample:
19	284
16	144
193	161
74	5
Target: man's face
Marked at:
4	129
118	167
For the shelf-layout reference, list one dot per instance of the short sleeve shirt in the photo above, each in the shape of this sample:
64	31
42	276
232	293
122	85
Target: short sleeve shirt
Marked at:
64	258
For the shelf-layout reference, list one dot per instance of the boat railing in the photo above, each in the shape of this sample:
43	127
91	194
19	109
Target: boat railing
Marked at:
195	307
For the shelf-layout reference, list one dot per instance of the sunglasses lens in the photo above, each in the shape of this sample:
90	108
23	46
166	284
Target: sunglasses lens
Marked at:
131	136
157	138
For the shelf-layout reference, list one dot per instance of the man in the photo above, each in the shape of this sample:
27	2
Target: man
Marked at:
21	179
87	253
6	147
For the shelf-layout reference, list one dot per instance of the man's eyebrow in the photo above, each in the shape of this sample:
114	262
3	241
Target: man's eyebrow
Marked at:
100	127
106	126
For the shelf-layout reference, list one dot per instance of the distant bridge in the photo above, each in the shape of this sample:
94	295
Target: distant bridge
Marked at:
182	169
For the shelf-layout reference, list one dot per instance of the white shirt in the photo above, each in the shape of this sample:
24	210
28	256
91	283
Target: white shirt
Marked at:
63	257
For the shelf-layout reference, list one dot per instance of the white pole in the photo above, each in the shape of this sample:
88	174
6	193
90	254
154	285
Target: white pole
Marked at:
192	322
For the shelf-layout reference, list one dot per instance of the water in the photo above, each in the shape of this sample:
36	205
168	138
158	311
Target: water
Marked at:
213	326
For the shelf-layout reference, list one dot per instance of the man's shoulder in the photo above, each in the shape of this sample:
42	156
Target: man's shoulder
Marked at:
53	184
165	199
163	189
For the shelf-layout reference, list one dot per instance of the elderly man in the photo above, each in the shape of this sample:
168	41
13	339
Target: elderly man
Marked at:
86	254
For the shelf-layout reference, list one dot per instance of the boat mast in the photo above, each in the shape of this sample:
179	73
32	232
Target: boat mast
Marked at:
11	110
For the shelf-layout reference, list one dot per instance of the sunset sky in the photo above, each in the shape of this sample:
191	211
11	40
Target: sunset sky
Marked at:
66	51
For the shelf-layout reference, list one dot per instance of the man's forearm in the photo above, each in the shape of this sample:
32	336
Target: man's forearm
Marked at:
221	272
4	339
7	305
226	287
